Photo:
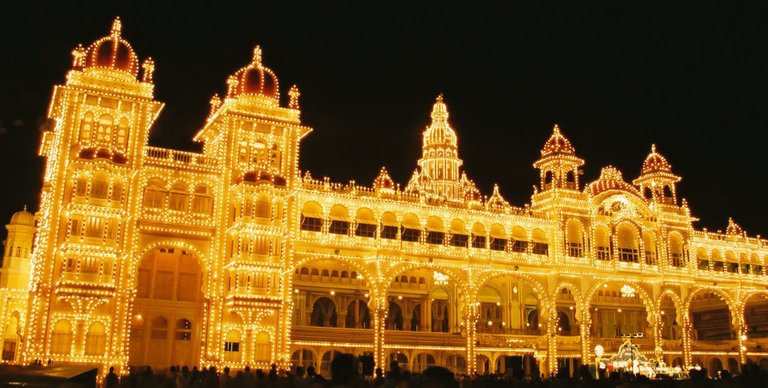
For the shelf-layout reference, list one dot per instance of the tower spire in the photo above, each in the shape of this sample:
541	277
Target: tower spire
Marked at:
117	26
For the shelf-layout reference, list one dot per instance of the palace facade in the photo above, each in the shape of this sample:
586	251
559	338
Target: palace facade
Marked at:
235	256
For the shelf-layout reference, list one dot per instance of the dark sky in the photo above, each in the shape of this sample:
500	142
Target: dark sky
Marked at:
616	77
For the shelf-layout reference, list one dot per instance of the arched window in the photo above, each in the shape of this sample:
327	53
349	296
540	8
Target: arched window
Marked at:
86	128
117	192
262	347
389	226
121	140
263	207
96	341
626	235
179	197
232	346
676	258
366	224
154	194
202	202
100	186
575	238
649	243
104	129
478	235
81	187
498	238
339	220
459	234
435	231
159	328
519	240
602	243
411	228
61	338
324	313
540	244
183	330
312	217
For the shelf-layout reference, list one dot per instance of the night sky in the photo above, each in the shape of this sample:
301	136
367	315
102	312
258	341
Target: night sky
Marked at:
616	77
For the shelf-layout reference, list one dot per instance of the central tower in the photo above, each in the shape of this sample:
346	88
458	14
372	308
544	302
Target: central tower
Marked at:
438	175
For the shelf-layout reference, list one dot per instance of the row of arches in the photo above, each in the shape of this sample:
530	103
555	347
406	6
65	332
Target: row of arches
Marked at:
414	361
63	338
714	260
104	131
180	196
98	188
409	228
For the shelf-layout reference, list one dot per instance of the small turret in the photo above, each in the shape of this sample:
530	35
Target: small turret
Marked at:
558	165
18	250
656	181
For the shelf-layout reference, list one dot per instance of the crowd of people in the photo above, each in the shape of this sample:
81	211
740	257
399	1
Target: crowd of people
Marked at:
344	374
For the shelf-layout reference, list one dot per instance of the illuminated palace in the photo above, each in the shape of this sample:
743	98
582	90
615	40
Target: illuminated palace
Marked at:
235	256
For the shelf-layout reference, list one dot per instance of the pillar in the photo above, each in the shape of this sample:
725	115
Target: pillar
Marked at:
379	309
470	324
687	328
552	341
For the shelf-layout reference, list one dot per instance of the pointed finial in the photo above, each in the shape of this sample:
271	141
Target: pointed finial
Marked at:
25	207
78	56
293	94
149	69
231	85
215	103
439	97
556	130
653	148
257	55
116	27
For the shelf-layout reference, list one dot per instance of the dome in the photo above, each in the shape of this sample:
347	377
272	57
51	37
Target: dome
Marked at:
610	179
23	217
655	162
557	144
256	79
112	52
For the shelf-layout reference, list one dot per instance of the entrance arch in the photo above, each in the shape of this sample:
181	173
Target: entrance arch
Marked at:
617	309
755	313
167	313
711	316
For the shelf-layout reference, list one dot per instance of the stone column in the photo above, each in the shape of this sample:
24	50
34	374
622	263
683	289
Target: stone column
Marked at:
686	334
379	308
470	326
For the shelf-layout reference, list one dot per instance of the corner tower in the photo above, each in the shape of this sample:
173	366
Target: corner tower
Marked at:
94	144
656	181
558	165
255	140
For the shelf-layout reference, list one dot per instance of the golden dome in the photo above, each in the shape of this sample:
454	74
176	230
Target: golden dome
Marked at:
256	79
23	217
112	52
557	144
655	162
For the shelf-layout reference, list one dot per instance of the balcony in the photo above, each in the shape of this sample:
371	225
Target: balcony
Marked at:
336	335
410	339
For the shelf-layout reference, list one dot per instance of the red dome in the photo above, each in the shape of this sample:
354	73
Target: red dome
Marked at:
113	52
655	162
557	144
256	79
